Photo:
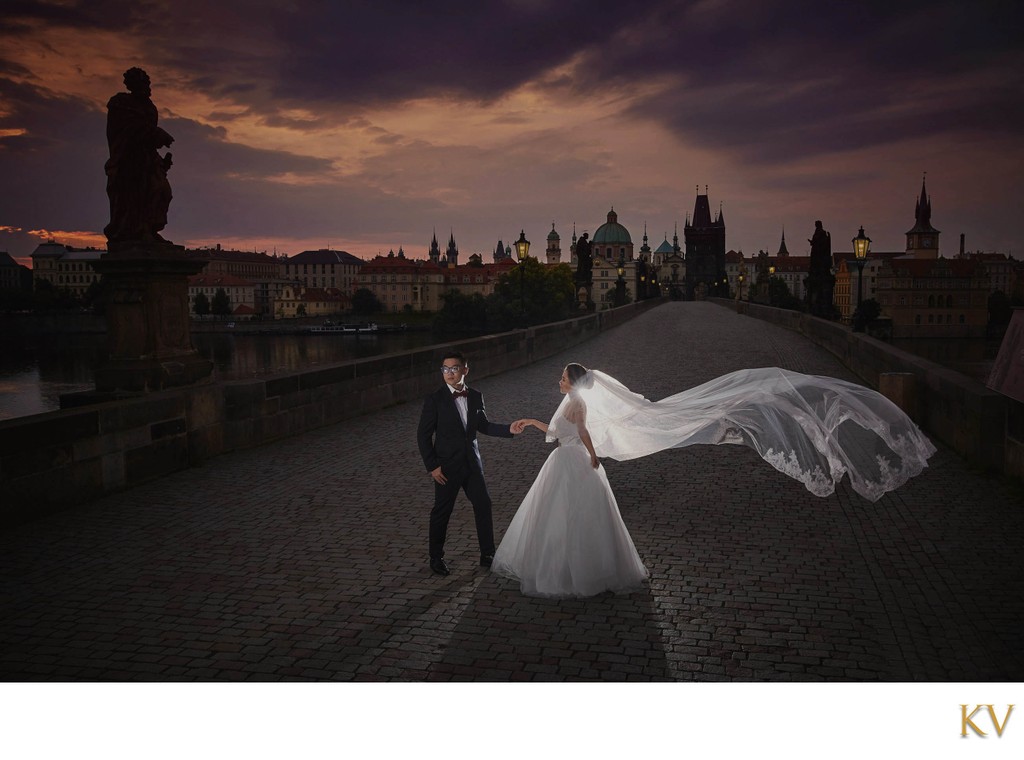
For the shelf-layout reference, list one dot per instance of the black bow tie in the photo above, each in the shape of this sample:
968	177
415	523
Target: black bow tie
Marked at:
456	394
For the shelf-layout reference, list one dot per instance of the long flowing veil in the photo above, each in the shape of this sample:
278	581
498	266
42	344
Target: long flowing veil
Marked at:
813	428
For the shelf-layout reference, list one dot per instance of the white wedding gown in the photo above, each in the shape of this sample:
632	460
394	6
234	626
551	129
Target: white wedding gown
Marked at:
568	539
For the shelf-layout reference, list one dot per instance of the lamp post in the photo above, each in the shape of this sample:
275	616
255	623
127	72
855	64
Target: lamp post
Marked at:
741	286
771	296
620	284
861	244
522	249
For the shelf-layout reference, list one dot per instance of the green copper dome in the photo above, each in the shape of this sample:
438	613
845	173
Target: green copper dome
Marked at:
665	247
612	232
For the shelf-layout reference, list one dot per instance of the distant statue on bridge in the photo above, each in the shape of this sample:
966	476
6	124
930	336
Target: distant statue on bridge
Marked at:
820	282
137	183
584	259
821	249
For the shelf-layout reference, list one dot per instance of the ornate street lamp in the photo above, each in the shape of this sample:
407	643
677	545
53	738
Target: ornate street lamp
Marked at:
861	245
741	286
771	296
522	250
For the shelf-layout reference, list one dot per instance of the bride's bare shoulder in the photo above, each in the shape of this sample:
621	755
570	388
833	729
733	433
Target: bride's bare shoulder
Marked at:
576	411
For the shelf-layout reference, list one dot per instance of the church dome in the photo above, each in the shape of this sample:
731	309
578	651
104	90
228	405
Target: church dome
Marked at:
553	235
612	232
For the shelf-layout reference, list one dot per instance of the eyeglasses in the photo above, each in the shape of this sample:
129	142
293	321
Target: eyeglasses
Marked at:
452	370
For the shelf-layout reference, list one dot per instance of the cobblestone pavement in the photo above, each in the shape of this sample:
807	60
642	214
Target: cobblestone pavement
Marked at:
306	559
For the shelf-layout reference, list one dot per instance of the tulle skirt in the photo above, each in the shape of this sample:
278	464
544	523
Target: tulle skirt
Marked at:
568	538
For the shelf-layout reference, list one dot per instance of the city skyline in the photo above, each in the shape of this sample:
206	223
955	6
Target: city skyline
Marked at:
368	128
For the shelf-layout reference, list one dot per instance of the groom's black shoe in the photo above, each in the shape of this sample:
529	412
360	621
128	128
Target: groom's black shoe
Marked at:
486	560
440	567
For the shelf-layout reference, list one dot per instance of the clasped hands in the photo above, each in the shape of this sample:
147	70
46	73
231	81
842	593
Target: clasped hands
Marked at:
519	426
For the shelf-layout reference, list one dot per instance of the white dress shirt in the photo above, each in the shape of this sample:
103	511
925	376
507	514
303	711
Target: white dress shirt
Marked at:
462	404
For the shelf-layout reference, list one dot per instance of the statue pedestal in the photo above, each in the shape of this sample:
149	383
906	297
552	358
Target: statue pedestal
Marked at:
148	339
584	295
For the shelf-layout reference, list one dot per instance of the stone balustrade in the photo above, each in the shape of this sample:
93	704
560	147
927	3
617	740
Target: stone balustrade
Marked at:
55	460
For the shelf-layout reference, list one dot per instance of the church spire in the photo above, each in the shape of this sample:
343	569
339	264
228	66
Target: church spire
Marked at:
434	254
452	254
923	239
923	211
782	248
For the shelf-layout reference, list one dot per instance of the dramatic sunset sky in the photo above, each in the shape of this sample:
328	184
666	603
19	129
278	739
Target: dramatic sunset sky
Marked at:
365	126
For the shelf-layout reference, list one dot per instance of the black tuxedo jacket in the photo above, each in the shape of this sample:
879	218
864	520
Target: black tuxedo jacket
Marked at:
442	440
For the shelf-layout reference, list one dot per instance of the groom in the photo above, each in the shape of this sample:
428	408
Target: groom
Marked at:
452	416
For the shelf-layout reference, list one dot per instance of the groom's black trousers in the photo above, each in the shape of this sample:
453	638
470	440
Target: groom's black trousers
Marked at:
472	482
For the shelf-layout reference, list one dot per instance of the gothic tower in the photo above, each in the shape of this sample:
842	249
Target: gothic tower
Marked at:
434	254
705	251
453	251
783	251
923	239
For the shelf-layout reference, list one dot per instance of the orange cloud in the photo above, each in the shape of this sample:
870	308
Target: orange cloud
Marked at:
79	239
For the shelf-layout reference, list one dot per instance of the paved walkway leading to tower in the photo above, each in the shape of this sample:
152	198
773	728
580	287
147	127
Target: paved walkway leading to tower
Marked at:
306	558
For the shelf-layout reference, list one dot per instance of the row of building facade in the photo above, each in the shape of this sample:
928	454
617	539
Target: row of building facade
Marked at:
922	292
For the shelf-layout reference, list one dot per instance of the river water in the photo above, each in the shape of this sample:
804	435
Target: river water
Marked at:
35	371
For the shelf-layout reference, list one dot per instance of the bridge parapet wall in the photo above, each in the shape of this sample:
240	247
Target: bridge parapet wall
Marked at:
959	411
52	461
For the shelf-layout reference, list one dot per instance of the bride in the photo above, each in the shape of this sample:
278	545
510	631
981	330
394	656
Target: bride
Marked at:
568	540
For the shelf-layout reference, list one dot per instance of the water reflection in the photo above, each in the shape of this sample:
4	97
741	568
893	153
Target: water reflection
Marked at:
34	372
237	356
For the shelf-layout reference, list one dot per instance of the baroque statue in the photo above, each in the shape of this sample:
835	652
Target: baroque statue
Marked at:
584	259
137	183
821	249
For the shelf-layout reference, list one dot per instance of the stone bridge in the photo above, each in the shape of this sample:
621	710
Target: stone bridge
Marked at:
305	558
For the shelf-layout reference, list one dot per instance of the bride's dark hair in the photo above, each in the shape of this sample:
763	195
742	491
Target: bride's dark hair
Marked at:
575	372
